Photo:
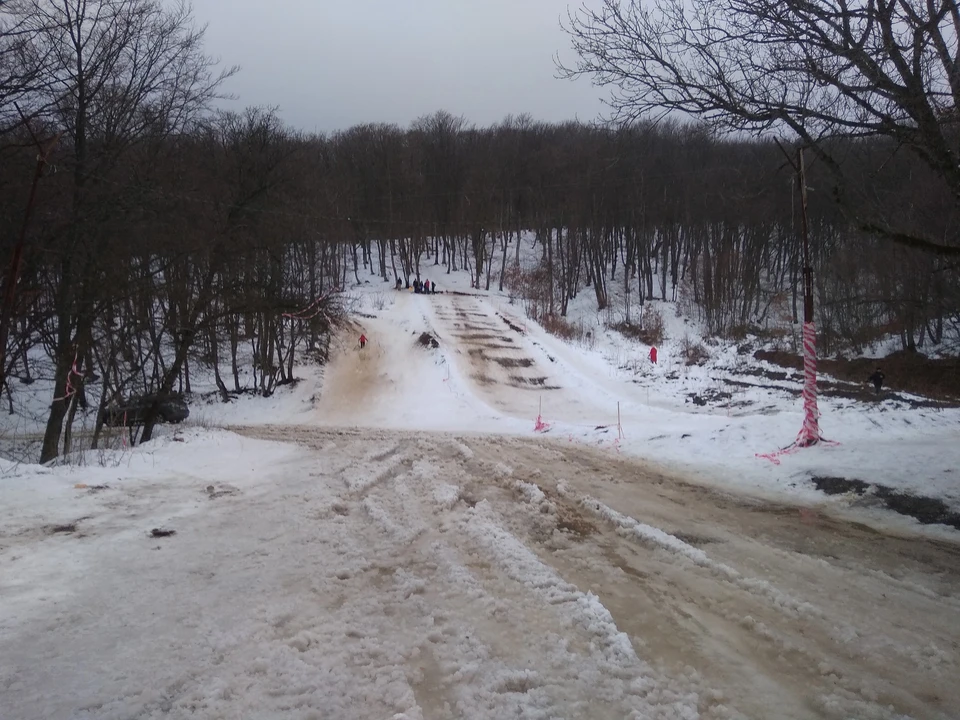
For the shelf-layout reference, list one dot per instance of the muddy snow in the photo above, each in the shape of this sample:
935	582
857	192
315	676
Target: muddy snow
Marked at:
391	539
387	574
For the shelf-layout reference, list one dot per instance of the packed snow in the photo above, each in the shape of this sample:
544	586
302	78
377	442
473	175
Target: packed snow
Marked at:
494	370
470	517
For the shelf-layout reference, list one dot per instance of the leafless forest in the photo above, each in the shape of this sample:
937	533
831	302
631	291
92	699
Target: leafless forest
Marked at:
150	234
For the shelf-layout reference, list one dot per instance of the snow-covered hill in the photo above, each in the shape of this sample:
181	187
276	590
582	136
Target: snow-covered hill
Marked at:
469	360
473	518
721	422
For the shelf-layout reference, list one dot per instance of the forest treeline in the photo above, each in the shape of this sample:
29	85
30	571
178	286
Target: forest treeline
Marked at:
164	234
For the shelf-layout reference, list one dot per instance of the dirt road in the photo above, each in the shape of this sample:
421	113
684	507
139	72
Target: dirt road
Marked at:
424	576
546	580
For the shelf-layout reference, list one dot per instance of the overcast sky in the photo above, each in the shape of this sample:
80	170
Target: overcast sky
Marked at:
330	64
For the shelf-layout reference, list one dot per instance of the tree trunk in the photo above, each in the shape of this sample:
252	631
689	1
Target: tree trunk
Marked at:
503	261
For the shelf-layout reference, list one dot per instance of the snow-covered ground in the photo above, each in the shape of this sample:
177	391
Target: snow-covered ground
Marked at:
494	370
722	422
384	574
472	518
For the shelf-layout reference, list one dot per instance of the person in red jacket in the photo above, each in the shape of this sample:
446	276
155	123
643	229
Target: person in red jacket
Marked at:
363	340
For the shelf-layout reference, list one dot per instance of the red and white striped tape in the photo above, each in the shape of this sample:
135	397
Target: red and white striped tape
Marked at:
810	432
73	372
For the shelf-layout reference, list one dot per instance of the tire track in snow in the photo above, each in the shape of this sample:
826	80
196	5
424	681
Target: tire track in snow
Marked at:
601	668
486	627
466	668
552	523
649	535
460	666
841	695
610	649
663	601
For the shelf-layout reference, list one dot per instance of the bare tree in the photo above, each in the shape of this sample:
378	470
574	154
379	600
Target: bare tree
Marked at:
440	138
118	71
20	65
813	69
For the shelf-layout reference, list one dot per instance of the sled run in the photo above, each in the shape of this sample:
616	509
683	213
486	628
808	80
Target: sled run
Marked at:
402	546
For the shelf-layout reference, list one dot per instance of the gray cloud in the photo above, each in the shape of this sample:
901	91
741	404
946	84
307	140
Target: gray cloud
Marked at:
331	64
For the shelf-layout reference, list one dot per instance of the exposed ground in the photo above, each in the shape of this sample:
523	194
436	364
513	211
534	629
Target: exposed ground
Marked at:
913	372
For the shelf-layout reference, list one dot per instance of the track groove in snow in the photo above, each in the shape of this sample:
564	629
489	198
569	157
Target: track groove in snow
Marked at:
647	534
422	575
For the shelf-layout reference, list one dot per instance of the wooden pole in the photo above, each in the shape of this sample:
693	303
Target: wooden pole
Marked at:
810	432
807	269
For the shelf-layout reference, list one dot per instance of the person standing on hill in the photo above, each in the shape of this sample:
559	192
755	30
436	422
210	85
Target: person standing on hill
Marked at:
877	379
363	340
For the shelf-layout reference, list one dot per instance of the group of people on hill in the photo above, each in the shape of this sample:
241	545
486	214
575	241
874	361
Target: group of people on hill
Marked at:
424	287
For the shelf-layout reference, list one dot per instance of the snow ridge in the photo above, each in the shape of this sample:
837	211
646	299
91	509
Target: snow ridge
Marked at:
649	535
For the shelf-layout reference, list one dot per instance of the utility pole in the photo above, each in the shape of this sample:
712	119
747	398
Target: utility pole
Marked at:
810	432
807	270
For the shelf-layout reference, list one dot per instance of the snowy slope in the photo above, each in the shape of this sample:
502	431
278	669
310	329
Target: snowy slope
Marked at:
496	371
378	574
400	540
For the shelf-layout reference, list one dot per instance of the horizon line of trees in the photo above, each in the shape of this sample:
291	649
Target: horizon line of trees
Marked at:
166	234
